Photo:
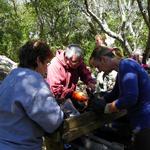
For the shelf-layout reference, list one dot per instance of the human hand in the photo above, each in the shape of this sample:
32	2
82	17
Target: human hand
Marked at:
110	108
91	86
67	92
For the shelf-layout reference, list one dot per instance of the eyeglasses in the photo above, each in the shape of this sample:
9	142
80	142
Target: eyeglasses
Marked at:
75	62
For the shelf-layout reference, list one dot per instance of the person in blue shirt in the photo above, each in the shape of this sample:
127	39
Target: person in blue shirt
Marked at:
28	109
131	92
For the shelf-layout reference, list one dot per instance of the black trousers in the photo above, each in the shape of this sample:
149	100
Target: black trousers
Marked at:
142	140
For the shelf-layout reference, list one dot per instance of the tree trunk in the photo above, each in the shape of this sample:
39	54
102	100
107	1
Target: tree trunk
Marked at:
147	50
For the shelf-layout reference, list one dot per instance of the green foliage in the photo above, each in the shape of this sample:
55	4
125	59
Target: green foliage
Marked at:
59	23
10	31
88	47
28	21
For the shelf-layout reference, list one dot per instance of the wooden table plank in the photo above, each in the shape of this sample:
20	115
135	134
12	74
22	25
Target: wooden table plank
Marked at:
77	126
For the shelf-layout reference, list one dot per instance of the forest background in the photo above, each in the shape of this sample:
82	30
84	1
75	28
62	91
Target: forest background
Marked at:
125	23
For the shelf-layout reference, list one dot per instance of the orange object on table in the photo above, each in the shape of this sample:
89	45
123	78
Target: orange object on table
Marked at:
80	96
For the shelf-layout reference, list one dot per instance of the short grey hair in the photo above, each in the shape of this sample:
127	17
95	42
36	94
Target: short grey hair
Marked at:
73	49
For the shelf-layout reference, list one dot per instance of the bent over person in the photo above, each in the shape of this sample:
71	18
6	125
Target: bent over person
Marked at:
65	70
27	107
131	92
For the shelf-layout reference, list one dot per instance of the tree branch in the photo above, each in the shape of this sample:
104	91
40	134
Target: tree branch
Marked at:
104	26
145	17
148	8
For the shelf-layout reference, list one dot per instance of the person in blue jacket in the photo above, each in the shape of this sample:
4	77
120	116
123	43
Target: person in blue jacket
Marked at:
131	92
28	109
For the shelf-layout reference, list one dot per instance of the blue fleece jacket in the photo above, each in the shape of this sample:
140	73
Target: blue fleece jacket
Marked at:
132	91
27	110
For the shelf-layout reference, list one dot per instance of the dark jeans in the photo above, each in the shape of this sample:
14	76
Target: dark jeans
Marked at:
142	140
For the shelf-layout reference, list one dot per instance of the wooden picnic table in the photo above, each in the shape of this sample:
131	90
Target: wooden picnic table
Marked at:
77	126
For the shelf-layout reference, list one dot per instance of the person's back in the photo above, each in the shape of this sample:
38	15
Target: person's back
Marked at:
19	130
13	96
27	108
141	96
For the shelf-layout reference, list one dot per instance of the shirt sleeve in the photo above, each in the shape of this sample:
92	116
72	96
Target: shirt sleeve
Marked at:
44	110
128	86
55	79
57	82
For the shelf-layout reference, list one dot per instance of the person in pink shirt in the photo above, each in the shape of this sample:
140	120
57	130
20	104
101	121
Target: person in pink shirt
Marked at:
64	71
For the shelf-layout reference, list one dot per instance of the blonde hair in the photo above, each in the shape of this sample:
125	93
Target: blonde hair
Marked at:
101	37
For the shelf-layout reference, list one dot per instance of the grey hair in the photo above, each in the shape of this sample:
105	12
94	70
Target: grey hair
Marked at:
73	49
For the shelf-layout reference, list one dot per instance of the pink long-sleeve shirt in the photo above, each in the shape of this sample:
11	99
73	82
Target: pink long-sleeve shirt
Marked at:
62	79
